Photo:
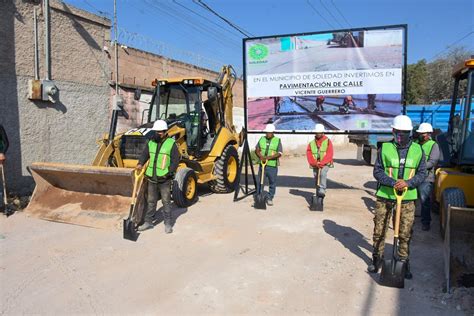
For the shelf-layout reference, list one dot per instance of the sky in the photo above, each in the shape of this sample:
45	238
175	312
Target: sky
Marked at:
184	30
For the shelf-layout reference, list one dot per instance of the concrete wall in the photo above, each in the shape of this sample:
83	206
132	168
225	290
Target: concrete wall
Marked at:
41	131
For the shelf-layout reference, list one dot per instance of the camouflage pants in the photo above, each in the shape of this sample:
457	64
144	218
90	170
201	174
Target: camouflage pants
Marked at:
383	213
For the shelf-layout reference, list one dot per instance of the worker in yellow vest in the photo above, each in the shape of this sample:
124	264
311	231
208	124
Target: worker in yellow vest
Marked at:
269	150
432	154
400	164
319	154
163	156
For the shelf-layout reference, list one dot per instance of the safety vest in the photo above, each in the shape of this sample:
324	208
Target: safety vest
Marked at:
269	148
163	160
391	164
319	153
427	147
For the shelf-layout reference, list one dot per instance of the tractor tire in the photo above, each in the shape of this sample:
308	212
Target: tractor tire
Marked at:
453	197
225	170
184	187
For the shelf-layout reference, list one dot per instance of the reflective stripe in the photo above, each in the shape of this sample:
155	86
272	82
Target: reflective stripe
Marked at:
162	158
391	163
269	148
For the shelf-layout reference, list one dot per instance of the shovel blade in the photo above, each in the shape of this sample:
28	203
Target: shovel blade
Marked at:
129	231
393	274
316	204
260	201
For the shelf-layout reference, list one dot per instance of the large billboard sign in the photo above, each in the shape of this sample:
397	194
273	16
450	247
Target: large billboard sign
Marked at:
347	80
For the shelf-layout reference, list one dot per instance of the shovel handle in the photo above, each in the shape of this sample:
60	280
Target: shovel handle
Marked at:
263	164
138	176
4	185
399	196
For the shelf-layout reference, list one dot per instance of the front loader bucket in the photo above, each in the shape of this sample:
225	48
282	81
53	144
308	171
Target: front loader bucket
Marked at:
97	197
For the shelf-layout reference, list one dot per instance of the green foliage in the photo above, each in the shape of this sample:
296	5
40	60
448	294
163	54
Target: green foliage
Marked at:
430	82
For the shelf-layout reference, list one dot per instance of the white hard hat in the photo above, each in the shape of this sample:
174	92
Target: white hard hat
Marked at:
160	125
270	128
402	123
425	128
319	128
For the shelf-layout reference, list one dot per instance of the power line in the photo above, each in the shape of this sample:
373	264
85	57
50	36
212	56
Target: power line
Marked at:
169	19
163	49
204	18
97	10
340	13
452	44
330	13
234	26
314	9
217	35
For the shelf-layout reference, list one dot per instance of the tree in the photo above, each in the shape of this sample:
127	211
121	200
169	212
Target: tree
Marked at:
417	89
431	82
440	82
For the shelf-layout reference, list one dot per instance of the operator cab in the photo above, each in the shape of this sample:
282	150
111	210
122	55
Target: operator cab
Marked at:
194	104
461	125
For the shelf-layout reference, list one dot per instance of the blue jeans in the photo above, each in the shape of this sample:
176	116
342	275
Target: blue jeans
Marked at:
270	174
322	181
424	191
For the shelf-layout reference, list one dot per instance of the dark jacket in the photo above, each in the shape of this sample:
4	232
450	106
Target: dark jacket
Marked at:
383	179
432	163
3	140
175	157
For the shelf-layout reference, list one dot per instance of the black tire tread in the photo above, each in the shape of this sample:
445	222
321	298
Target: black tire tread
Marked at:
453	197
178	187
219	185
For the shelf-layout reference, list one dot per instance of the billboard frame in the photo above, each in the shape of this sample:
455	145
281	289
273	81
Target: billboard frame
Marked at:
404	27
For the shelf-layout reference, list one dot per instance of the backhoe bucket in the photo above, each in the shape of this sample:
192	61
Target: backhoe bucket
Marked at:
83	195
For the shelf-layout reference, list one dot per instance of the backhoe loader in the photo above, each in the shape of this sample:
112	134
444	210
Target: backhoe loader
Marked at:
454	184
199	116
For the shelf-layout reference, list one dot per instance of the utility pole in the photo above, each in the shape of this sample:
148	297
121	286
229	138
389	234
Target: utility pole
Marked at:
116	48
117	100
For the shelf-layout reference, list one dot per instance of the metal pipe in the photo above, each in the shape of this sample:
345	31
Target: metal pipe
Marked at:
35	27
47	40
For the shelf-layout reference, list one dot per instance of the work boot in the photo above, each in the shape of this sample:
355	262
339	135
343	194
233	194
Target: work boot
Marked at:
375	265
167	221
408	274
425	227
168	227
145	226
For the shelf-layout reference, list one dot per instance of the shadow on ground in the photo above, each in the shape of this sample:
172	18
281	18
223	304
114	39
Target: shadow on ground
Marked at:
350	238
350	162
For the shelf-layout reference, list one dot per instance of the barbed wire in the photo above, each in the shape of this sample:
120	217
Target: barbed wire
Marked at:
151	45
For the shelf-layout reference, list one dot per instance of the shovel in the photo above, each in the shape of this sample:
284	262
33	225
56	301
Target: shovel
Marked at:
260	199
316	202
7	211
129	227
393	270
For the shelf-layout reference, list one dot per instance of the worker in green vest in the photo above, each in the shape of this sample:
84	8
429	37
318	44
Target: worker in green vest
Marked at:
432	153
319	154
400	164
269	150
163	156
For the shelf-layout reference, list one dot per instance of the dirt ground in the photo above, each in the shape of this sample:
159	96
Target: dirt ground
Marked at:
227	258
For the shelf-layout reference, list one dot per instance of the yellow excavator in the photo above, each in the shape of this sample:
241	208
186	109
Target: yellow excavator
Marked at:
454	184
199	116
